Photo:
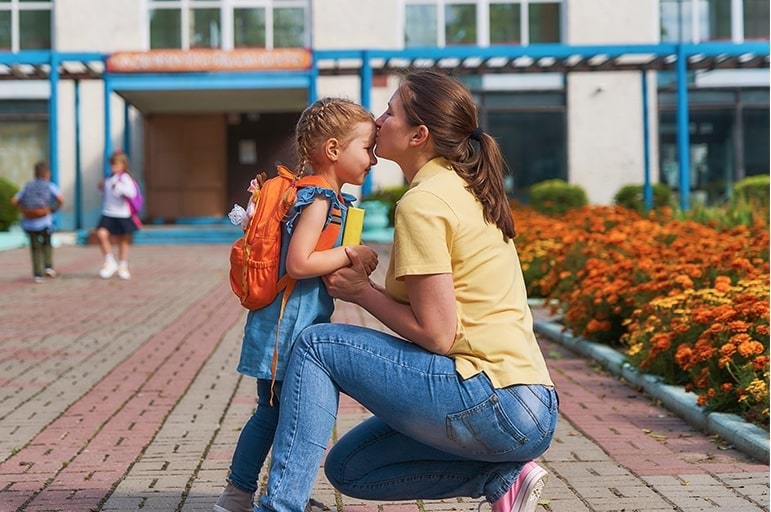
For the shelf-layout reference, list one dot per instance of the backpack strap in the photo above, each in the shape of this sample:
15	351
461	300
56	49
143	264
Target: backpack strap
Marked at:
286	284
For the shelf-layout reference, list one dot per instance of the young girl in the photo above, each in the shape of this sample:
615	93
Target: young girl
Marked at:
116	217
335	139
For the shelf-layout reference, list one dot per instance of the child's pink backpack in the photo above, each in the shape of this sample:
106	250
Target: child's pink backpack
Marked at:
135	203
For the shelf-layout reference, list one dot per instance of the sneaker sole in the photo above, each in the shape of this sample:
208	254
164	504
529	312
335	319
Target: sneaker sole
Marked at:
532	487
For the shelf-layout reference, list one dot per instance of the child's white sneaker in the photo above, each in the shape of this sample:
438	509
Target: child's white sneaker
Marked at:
123	272
51	272
108	269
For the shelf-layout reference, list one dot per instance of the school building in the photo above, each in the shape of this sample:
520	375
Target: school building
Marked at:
203	94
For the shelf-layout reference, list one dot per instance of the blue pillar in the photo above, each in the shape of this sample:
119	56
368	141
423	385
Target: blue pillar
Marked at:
683	136
53	119
647	186
365	96
127	129
78	169
107	124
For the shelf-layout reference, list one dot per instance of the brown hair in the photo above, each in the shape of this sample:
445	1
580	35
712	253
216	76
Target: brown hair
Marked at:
446	108
120	156
325	119
41	169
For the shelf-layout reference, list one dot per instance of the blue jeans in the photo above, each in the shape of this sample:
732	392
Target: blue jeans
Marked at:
434	435
255	439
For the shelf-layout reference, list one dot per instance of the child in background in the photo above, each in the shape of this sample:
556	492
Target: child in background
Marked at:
335	138
37	201
116	217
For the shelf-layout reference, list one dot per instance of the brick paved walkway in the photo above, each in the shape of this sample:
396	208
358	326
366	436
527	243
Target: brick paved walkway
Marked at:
122	396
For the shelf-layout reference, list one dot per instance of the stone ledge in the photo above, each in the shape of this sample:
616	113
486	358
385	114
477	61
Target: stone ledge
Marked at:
746	437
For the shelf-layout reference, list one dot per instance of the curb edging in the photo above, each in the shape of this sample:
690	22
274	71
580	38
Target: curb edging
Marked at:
746	437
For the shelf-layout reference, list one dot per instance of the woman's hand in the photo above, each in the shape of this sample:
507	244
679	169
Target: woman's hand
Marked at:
349	283
367	255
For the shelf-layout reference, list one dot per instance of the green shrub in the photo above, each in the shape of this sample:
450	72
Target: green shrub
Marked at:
555	197
389	196
753	190
631	197
9	214
737	213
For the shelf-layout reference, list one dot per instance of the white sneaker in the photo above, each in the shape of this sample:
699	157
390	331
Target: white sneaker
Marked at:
123	272
51	272
108	269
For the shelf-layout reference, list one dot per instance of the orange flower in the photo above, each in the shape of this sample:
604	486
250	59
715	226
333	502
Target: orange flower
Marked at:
728	350
595	325
722	283
727	387
715	328
750	348
760	362
661	342
702	315
740	338
738	326
683	357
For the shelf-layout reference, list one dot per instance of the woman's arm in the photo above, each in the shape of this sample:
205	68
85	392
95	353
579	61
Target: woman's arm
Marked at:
304	261
429	320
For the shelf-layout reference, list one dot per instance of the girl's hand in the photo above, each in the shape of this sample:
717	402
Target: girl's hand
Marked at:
349	283
367	255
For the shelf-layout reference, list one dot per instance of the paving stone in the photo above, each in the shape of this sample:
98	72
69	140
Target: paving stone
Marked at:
127	399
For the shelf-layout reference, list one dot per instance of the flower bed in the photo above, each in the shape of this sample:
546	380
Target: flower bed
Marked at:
682	299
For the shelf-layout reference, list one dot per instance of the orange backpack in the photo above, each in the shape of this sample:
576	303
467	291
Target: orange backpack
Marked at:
255	258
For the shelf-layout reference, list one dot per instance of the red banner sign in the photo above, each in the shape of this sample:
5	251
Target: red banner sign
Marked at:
181	61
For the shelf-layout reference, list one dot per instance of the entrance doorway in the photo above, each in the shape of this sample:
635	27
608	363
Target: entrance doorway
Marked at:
257	142
185	166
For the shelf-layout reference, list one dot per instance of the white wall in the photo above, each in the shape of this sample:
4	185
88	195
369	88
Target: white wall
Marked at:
605	137
98	25
342	24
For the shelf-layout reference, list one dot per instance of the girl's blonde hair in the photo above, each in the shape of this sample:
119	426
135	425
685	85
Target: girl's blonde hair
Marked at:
119	156
325	119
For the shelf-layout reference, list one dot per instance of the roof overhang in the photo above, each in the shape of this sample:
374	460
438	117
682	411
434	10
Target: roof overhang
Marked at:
536	58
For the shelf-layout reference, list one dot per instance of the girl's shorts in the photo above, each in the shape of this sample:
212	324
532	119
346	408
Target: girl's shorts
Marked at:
117	225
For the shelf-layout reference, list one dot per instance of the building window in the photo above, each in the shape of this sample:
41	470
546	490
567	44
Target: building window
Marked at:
287	27
228	24
729	139
756	19
420	26
694	21
544	22
481	22
460	26
532	131
249	28
25	25
505	24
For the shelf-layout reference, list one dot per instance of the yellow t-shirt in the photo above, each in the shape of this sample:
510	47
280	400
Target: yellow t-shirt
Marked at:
440	229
